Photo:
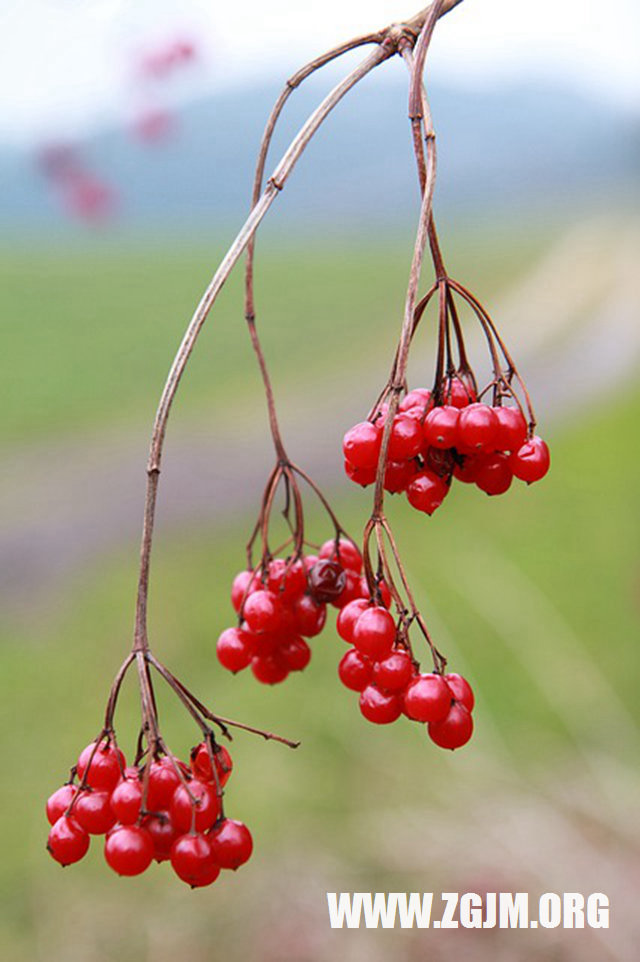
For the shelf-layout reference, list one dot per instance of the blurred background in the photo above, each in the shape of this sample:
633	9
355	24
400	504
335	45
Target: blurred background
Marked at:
127	141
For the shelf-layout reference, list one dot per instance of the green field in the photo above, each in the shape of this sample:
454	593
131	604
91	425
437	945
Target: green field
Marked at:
534	596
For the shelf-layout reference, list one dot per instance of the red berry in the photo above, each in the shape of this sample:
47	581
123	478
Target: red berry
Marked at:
419	398
394	672
455	730
59	802
262	611
92	811
374	632
355	670
206	807
344	552
129	850
102	765
269	669
405	439
363	476
458	392
327	580
441	427
234	649
352	590
231	843
163	834
286	579
478	428
427	699
201	763
398	474
67	842
493	474
380	707
461	690
531	461
513	428
348	616
163	781
126	801
192	860
309	616
427	492
467	470
381	592
243	584
295	653
361	445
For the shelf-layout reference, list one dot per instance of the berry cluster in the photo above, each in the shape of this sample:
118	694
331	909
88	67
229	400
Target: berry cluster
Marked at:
381	667
430	444
285	602
163	810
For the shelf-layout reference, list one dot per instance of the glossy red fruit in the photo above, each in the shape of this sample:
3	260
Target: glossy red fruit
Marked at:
361	445
458	393
441	427
531	461
59	802
419	397
381	592
398	475
344	552
163	781
427	492
231	843
348	616
262	611
201	763
234	649
374	632
355	670
394	672
427	699
207	806
92	811
478	428
295	653
327	580
405	439
192	860
466	471
380	707
102	765
286	579
126	801
163	834
309	616
244	583
455	730
269	669
493	474
362	476
512	431
129	850
352	590
67	842
461	690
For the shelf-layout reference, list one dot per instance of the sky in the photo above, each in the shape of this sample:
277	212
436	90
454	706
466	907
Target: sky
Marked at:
67	66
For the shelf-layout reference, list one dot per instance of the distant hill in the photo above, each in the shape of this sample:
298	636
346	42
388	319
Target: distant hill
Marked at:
520	148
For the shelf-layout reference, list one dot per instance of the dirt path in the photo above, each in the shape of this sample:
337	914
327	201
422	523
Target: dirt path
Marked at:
574	318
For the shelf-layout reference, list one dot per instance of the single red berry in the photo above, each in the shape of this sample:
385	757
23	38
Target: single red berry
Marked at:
243	584
348	616
262	611
163	781
327	580
206	806
59	802
234	649
531	461
287	579
362	476
455	730
92	811
231	843
309	616
295	653
209	874
129	850
478	428
192	859
361	444
269	669
419	398
126	801
405	439
394	672
201	763
100	767
380	707
513	428
427	492
493	474
344	552
441	427
440	461
163	834
398	475
467	468
427	699
461	690
355	670
67	842
352	590
458	392
374	632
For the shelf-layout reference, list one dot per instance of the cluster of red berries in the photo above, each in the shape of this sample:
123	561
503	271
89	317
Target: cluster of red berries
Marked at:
285	602
430	444
381	668
170	812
